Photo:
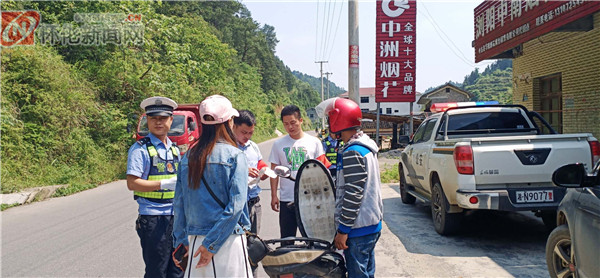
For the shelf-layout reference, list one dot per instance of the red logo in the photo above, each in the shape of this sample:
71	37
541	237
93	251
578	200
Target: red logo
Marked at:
18	27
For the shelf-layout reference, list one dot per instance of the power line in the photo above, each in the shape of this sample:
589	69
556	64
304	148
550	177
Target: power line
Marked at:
336	30
438	30
317	30
441	30
331	16
322	34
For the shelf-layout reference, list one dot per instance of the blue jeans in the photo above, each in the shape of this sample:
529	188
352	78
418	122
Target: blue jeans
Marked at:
360	255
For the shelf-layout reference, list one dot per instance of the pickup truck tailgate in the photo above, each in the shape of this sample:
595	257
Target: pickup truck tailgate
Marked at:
502	161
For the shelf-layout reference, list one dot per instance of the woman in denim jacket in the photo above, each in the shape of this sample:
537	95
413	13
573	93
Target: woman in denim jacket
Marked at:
213	234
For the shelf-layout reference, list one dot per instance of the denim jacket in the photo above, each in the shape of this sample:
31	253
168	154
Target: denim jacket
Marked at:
197	213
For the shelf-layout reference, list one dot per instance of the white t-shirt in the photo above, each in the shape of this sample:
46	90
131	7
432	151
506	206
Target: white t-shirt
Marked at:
292	153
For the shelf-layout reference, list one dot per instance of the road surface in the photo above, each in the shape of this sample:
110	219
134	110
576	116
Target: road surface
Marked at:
92	234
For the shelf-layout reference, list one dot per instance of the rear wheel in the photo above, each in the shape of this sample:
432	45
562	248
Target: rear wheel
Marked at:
406	198
560	257
444	223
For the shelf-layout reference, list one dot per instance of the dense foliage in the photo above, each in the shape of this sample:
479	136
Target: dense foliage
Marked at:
68	110
315	83
494	83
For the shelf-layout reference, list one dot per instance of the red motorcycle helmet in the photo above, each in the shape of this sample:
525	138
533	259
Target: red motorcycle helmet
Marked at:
343	113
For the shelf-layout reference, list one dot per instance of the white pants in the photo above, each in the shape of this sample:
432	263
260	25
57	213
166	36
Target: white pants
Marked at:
230	261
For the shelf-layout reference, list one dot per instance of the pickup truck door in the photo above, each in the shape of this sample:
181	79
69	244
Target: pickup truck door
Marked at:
418	155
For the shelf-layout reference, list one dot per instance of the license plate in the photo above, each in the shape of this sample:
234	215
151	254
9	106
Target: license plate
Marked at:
535	196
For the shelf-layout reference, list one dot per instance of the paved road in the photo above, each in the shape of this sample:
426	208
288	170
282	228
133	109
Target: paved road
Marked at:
92	234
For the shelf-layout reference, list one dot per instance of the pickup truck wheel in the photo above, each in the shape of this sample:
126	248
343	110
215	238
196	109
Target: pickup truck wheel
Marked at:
444	223
406	198
560	257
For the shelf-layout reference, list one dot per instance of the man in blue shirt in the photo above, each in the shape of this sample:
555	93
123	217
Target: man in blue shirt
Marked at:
243	129
151	174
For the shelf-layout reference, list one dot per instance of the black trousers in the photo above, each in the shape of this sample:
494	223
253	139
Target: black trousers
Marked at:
156	238
287	221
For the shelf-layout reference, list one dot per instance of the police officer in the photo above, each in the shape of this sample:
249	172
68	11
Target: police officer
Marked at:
151	174
331	146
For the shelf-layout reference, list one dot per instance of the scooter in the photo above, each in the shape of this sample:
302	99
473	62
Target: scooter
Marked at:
313	254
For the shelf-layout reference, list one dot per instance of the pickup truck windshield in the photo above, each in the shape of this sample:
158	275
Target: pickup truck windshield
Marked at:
488	122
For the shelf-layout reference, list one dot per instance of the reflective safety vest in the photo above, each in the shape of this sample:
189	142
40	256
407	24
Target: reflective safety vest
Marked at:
160	169
331	151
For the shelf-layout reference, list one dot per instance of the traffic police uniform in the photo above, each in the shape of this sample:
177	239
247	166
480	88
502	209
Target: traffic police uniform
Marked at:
150	159
331	146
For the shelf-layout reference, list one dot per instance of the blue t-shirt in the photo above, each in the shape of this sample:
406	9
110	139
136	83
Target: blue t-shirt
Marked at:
138	164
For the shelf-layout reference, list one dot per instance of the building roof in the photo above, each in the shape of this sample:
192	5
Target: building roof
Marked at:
425	97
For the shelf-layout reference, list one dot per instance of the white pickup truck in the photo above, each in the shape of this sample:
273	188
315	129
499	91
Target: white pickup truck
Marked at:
488	157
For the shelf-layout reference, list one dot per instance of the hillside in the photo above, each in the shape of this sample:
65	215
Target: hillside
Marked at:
68	108
493	86
315	83
494	83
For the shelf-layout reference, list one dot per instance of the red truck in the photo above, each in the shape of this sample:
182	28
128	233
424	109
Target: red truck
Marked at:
185	130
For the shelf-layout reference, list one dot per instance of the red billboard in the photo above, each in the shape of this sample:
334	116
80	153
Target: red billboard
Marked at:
501	25
395	50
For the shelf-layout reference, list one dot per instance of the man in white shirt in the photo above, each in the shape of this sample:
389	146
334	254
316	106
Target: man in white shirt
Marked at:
291	151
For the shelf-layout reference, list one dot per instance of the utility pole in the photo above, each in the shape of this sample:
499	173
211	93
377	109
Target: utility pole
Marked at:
323	119
353	73
328	73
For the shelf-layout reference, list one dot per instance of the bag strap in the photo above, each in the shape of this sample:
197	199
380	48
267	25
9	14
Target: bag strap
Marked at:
219	201
213	194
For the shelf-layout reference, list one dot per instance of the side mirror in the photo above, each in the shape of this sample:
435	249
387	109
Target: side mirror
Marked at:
283	172
572	175
193	126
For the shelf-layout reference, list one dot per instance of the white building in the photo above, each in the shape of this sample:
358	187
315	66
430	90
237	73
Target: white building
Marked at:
368	104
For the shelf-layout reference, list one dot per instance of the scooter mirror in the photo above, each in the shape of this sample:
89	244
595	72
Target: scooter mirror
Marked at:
282	171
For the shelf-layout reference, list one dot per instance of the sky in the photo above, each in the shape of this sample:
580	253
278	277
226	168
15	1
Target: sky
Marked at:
444	36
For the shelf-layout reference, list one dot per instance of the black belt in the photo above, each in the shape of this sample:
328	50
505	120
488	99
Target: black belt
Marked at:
253	201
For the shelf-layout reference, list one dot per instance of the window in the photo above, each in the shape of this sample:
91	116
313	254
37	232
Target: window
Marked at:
395	111
419	133
551	101
380	110
364	110
388	110
488	121
178	125
424	131
364	99
447	90
429	130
